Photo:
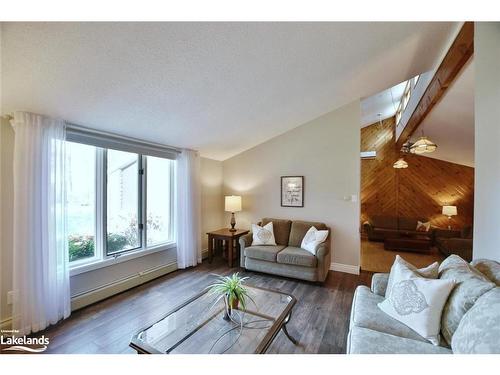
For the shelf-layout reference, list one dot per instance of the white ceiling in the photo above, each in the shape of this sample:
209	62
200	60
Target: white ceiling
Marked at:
220	88
384	103
450	124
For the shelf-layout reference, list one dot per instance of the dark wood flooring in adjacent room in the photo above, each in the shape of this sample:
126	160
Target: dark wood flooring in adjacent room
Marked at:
320	320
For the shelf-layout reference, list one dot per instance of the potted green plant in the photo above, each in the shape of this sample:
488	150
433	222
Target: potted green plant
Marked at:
233	291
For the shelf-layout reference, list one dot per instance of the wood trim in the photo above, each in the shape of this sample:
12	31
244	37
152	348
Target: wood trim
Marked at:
346	268
457	56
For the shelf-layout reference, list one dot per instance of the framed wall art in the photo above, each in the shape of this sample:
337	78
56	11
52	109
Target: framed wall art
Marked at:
292	191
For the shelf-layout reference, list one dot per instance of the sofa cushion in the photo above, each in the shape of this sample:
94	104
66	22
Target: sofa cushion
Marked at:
409	223
299	230
387	222
488	268
379	283
365	313
470	285
366	341
267	253
479	329
281	229
297	272
297	257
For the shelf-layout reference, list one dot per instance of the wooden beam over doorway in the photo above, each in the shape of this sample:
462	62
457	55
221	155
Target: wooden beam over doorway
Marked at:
457	56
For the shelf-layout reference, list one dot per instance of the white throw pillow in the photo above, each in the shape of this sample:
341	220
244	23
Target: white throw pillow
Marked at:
418	303
312	239
423	227
404	273
263	235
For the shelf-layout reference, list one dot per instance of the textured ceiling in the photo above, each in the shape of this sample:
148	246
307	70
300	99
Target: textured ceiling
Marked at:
220	88
451	122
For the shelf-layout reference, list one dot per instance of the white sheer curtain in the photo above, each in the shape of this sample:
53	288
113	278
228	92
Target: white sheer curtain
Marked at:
188	209
41	269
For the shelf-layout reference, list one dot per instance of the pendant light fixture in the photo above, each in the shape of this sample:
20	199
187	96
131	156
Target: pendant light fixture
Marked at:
423	145
400	164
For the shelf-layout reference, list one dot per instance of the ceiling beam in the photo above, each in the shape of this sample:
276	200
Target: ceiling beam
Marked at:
456	57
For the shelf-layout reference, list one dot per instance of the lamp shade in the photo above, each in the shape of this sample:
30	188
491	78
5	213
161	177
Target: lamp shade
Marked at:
400	164
423	145
450	210
233	203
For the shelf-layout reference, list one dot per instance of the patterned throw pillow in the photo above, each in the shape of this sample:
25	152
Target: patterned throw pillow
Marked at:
263	235
418	303
398	273
423	227
312	239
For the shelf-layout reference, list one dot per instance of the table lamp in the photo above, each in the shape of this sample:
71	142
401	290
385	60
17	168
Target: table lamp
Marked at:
449	211
232	204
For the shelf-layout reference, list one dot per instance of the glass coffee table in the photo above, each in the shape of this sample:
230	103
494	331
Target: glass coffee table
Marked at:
200	325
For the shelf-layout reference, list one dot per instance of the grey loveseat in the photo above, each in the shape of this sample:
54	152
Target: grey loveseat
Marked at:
470	323
287	258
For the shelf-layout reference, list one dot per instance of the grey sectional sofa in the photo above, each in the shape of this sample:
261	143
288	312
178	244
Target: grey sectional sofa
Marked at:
470	323
287	258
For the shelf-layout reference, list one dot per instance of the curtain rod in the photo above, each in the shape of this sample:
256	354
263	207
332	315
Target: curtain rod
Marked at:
76	127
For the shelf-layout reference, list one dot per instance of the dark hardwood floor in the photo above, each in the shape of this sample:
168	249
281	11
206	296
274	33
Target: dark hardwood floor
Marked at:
320	320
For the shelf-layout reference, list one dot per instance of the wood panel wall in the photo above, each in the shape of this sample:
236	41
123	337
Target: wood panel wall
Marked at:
418	191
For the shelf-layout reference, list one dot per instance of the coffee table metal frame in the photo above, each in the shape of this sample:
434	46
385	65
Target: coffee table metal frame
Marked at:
279	324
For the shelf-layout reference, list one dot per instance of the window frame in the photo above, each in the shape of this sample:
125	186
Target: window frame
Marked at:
101	256
405	98
141	196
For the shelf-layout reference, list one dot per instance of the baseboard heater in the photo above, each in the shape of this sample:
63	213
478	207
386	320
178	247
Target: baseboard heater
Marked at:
117	286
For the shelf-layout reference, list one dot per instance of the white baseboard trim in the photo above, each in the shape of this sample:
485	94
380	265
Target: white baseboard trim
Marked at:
6	324
84	299
347	268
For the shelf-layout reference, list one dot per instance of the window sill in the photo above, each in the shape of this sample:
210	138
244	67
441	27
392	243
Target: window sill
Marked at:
111	261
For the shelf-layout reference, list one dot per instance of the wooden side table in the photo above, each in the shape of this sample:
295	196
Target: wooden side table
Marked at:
227	235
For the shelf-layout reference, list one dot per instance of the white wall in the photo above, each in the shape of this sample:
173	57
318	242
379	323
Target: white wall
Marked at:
487	139
326	152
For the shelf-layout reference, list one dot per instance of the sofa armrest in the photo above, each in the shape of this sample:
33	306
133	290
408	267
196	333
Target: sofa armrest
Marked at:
379	283
244	241
324	259
458	246
247	239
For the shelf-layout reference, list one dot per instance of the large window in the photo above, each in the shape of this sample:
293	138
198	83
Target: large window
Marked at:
159	208
123	229
117	202
81	201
